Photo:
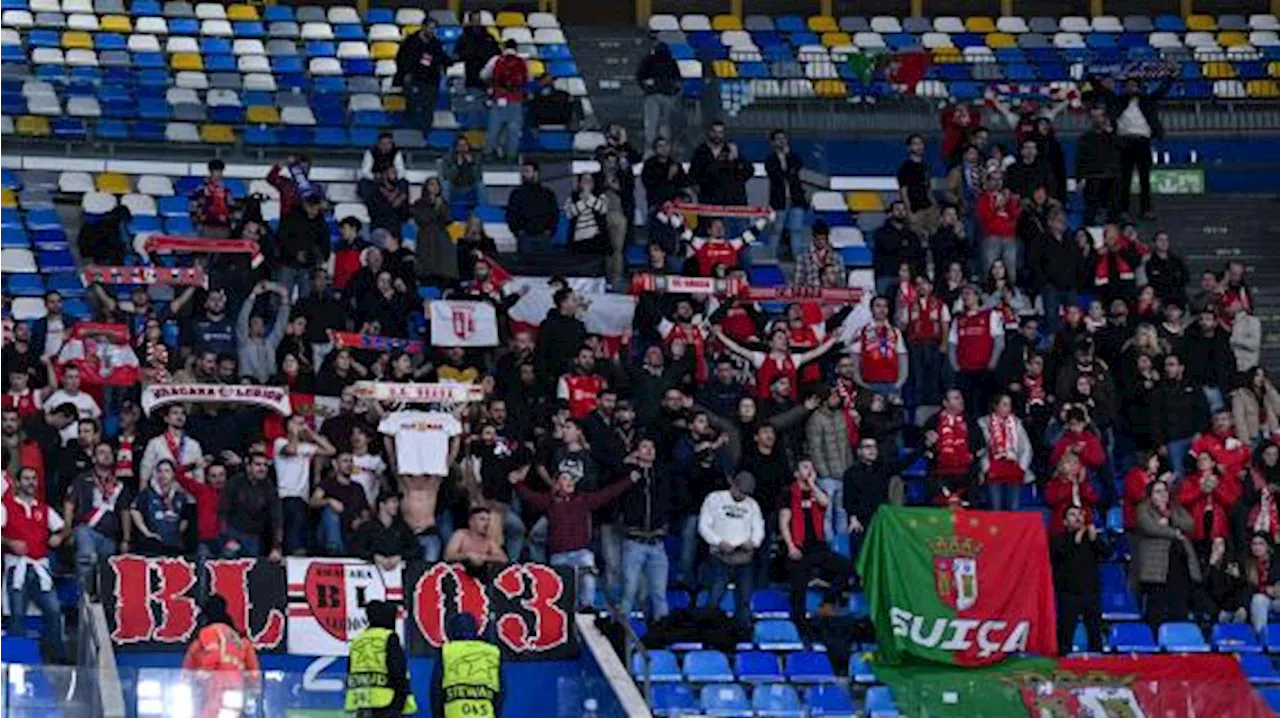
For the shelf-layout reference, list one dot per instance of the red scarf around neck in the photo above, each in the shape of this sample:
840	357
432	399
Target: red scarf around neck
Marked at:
797	515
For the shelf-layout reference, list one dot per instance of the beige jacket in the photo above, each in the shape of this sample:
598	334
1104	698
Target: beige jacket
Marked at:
1247	412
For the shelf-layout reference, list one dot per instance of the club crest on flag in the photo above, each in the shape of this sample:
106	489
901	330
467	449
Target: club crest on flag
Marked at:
955	571
464	321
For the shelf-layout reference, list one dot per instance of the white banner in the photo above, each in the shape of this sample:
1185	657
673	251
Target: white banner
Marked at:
463	324
275	398
327	599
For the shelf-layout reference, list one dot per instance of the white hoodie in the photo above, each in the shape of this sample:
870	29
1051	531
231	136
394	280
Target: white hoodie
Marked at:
723	520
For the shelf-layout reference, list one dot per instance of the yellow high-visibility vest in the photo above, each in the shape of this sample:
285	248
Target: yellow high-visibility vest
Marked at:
368	684
470	679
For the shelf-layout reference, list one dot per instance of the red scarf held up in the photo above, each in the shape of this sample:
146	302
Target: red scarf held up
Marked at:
1034	385
798	499
848	392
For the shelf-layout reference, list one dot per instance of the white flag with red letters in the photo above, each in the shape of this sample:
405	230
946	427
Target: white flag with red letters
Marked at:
463	324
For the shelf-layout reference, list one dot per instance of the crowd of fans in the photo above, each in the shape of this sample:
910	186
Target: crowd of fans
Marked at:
1013	353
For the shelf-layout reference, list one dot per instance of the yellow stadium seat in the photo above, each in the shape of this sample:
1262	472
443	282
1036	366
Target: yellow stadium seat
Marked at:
241	11
1218	70
186	61
980	23
864	202
77	40
830	88
112	183
1273	68
721	23
393	103
536	68
218	134
947	54
262	115
725	69
475	138
823	23
33	126
384	50
836	39
8	199
1202	23
1232	39
1263	89
1001	40
456	230
509	19
116	23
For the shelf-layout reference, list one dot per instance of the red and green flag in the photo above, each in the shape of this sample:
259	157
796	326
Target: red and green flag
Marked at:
958	587
1130	686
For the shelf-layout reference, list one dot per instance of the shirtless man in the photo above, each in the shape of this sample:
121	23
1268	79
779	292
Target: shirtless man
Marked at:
419	510
473	545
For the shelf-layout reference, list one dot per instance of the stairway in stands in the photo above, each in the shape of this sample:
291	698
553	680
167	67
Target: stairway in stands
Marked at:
1211	230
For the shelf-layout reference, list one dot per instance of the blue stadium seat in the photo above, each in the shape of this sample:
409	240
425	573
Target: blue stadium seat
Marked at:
1131	638
77	309
1120	607
15	238
1182	637
777	634
175	206
767	275
809	667
181	226
778	700
880	699
1259	668
67	283
858	606
1235	638
723	699
830	701
707	667
26	285
757	667
860	670
770	602
673	699
663	666
43	219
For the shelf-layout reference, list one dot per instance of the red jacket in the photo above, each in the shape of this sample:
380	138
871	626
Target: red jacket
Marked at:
998	220
1199	504
510	75
1231	460
1092	455
207	500
1060	492
1135	492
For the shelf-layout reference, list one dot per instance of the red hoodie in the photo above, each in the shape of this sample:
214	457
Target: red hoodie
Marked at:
996	219
1228	452
1061	492
1092	455
207	500
1215	505
510	74
1135	492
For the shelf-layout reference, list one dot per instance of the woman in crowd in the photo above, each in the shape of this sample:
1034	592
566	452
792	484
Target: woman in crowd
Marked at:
1164	563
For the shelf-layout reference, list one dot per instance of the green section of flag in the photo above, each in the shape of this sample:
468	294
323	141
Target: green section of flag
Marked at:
1174	181
897	568
925	690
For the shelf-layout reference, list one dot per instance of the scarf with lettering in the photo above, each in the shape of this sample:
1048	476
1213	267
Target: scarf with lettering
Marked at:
848	392
1264	517
124	456
907	294
105	494
1113	258
1004	438
800	502
1036	395
174	440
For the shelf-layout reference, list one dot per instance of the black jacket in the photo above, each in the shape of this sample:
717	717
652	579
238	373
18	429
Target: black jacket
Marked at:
895	245
1209	359
659	73
1168	276
1178	411
772	473
532	210
251	507
420	61
1022	179
647	507
720	180
1148	103
1075	565
559	339
1057	263
1098	155
782	181
866	486
372	538
475	47
304	241
659	186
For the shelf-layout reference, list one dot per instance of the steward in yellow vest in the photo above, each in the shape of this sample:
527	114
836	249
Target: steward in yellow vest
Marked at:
467	681
377	672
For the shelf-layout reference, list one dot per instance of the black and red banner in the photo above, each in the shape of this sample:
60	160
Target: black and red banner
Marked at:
307	606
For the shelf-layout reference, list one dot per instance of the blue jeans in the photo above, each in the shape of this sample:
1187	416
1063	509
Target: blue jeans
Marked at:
47	601
296	517
513	531
91	547
330	533
1004	497
1004	248
645	561
836	519
791	221
468	196
533	243
1054	300
611	535
250	546
505	124
742	576
1213	395
431	546
537	541
298	278
1177	450
689	541
584	563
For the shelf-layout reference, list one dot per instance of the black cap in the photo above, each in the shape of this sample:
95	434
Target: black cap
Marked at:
820	226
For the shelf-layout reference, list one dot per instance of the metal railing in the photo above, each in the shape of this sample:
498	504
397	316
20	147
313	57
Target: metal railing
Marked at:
631	647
